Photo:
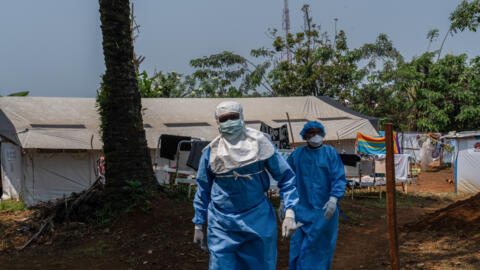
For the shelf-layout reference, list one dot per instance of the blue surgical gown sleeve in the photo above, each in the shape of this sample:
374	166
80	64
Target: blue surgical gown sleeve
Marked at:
284	175
337	175
291	163
204	184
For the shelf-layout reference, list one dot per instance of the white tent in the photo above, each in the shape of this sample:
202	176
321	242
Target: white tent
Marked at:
57	139
467	161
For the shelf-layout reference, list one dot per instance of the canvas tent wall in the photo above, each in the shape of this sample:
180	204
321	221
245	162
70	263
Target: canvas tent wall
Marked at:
466	161
37	175
62	134
11	169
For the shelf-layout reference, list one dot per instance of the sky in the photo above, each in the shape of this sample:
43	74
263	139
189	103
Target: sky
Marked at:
53	48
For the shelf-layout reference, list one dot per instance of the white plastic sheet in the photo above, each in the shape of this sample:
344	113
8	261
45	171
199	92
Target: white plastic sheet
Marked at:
468	166
401	166
426	154
11	171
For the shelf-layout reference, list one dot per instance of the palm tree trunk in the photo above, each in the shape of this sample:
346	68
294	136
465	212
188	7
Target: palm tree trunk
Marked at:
127	156
443	43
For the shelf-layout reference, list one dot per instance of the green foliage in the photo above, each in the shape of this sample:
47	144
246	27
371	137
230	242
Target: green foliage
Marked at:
101	104
171	84
105	215
319	66
178	192
466	16
19	94
228	74
425	95
12	205
136	196
432	35
374	79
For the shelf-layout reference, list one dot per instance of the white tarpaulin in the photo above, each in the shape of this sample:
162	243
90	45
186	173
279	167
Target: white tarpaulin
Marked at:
11	171
54	175
467	166
401	166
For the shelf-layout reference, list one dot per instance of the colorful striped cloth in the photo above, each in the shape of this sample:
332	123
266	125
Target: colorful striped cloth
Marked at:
374	145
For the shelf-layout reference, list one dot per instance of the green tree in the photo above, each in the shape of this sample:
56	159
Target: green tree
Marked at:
432	35
423	95
170	84
319	66
228	74
127	157
466	16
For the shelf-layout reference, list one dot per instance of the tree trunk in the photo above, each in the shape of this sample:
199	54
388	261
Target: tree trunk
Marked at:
127	156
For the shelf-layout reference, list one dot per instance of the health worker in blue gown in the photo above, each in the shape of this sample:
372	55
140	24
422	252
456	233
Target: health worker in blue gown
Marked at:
320	180
232	182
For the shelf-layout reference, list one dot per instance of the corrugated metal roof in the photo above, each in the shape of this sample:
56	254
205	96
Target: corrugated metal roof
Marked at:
19	113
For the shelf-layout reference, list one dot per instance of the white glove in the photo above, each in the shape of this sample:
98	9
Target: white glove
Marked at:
198	237
288	225
330	207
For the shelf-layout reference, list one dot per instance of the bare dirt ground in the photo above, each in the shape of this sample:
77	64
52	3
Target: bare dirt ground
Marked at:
434	182
161	239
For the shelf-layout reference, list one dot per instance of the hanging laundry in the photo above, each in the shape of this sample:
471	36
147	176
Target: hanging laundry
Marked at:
169	143
196	153
437	152
279	136
374	145
350	159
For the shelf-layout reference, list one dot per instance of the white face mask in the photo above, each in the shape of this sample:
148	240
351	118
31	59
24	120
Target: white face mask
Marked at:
315	141
232	129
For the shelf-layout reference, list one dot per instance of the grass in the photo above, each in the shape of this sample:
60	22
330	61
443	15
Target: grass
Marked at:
11	205
370	203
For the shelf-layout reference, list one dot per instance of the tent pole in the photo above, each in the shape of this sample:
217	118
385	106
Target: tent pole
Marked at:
291	132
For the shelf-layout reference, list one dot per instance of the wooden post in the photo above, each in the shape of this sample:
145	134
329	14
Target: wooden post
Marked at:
291	132
391	201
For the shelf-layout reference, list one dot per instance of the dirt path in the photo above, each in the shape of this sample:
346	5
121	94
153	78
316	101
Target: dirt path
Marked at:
162	239
363	243
435	182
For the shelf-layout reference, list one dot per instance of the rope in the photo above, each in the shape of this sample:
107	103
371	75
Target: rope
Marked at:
236	175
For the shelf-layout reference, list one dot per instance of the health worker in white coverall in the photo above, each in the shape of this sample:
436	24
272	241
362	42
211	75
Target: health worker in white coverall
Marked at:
232	181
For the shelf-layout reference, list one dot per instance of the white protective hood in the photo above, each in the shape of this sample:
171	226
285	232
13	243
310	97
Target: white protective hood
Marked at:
253	145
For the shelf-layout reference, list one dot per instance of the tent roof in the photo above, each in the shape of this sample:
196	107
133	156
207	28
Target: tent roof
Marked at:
73	123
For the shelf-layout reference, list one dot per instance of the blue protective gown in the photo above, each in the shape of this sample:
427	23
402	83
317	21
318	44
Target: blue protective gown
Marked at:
242	228
319	175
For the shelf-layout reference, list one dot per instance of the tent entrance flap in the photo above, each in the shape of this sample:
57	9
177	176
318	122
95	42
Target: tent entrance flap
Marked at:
11	172
59	174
